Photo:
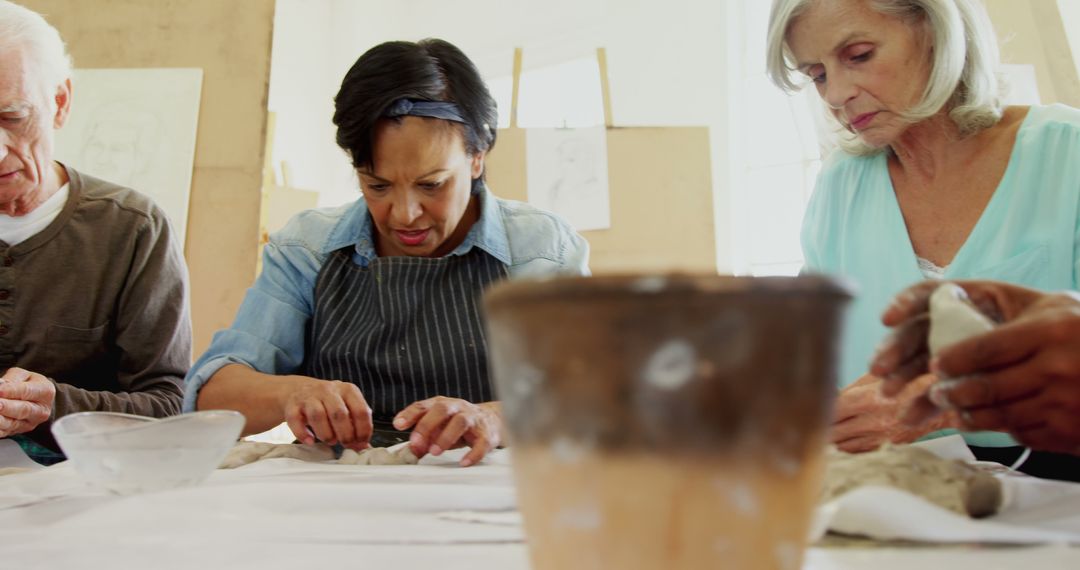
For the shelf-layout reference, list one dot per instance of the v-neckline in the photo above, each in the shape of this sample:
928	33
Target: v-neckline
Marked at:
991	205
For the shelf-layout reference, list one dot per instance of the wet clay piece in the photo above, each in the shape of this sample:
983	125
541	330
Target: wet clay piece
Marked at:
402	455
246	452
952	485
953	317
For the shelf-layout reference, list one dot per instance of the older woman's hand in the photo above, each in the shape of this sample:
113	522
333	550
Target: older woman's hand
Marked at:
446	423
336	412
26	401
864	419
1022	377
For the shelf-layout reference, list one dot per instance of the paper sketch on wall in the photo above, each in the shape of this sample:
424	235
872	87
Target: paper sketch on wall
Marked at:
567	174
136	128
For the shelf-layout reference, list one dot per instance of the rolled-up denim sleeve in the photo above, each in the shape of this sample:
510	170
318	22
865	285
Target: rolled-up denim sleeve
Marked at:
269	332
576	260
543	244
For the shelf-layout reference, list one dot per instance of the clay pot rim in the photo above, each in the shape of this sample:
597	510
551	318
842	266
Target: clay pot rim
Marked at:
663	284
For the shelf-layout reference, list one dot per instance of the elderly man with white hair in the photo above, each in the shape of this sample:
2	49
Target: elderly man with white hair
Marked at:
93	288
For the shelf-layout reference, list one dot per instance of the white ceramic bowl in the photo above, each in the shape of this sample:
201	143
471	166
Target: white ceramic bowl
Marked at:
129	454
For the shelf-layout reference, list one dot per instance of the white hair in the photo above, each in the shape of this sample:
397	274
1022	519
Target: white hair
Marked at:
963	76
22	28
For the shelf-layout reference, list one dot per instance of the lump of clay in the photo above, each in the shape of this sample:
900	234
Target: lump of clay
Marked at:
953	485
953	317
245	452
379	456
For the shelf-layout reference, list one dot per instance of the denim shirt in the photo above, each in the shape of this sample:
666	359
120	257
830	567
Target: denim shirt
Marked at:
270	330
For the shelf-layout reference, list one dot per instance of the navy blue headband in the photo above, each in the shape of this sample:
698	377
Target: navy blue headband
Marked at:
432	109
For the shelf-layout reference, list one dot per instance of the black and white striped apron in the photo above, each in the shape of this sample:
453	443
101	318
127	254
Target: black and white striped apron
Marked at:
402	329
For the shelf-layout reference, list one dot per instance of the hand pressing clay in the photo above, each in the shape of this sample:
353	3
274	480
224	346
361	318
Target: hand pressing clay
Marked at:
245	452
953	485
953	317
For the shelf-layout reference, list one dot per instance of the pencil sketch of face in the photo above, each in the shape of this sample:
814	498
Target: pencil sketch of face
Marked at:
119	143
575	176
576	163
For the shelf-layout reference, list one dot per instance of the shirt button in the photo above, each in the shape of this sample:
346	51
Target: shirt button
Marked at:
4	294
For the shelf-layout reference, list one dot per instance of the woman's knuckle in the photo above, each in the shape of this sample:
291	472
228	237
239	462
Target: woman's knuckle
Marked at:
1067	397
1059	367
1062	328
1060	423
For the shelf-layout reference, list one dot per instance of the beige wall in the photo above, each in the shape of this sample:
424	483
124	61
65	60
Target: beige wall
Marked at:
1070	18
661	198
1032	32
230	40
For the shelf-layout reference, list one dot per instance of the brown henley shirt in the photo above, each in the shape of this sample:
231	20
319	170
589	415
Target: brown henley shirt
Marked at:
98	302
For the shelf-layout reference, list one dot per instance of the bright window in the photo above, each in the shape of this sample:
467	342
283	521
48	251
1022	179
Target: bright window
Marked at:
780	161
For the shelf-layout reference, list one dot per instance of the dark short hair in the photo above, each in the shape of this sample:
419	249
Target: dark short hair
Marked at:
428	70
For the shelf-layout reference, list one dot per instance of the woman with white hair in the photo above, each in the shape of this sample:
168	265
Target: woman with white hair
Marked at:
935	177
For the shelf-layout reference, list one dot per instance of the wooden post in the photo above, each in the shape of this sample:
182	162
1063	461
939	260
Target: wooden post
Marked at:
516	89
605	88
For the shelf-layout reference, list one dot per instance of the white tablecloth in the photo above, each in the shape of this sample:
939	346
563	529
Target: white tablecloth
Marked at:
287	514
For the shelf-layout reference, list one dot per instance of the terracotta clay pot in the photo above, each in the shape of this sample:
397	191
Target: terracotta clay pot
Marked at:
666	421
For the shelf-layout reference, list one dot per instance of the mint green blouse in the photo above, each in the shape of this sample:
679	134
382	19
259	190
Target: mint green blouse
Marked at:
1028	234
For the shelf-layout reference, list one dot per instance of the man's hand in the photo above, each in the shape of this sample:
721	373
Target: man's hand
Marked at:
26	401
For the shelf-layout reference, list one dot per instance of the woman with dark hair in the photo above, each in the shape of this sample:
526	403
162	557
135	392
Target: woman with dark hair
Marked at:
365	321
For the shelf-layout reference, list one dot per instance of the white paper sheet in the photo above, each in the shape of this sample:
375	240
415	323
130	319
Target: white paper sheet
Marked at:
284	513
890	514
283	500
13	457
346	512
1033	511
136	128
948	447
42	485
438	503
567	174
